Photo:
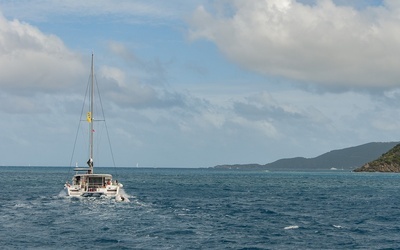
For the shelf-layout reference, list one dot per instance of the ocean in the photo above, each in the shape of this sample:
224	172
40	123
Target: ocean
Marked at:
202	209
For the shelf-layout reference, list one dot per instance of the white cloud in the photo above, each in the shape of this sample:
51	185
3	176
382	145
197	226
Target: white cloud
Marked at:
167	117
128	92
263	127
14	104
213	118
31	61
113	73
321	43
35	64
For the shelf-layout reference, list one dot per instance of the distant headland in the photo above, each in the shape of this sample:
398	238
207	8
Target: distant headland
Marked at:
363	158
388	162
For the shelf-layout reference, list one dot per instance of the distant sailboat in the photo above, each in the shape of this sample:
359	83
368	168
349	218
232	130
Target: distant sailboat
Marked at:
85	182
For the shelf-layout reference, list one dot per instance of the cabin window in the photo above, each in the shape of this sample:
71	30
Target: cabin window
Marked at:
95	182
77	180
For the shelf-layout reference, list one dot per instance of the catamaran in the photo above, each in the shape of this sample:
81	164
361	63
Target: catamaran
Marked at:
85	182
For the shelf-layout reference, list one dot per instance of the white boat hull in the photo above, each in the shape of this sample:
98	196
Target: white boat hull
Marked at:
109	191
93	185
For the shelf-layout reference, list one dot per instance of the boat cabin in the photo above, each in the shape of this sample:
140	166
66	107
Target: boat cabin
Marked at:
92	181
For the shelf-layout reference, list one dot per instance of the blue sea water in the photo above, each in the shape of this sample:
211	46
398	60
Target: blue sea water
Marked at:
202	209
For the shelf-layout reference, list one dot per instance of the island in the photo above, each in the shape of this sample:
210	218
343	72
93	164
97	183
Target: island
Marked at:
341	159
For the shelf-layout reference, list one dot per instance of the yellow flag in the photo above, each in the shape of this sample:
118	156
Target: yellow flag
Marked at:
89	116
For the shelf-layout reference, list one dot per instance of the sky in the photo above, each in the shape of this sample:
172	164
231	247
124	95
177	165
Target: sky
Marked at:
199	83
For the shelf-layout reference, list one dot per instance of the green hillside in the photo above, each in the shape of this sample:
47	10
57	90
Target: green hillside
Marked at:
346	159
388	162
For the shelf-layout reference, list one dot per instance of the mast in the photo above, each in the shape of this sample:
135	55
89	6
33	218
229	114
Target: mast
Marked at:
90	119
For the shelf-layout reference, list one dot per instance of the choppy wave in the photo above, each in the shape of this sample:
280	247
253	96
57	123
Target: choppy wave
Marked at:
204	209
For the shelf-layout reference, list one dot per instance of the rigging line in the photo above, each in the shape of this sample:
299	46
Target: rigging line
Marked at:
79	125
106	127
109	143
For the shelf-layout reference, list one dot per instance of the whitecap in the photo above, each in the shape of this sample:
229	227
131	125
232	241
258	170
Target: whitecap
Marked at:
123	196
22	205
63	193
337	226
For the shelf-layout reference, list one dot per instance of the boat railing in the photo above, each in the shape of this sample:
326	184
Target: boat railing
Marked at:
81	169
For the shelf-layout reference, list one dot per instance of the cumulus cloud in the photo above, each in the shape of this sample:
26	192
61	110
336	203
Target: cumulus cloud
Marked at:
33	62
322	43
